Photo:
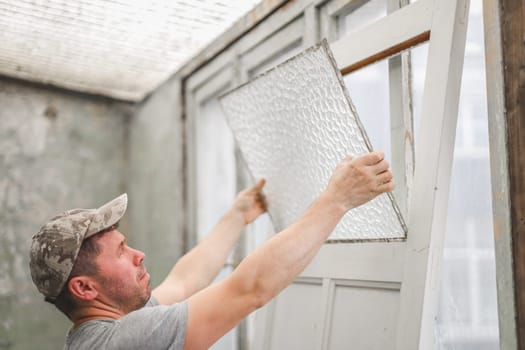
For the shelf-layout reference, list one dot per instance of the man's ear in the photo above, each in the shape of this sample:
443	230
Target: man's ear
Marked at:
83	288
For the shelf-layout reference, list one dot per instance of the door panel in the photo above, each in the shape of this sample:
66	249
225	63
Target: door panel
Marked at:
374	305
301	302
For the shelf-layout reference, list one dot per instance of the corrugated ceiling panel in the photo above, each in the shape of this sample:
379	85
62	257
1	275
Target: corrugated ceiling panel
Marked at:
122	49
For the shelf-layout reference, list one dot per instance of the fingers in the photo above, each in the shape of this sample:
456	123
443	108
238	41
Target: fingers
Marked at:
260	198
371	158
259	186
386	187
380	167
380	170
384	177
375	161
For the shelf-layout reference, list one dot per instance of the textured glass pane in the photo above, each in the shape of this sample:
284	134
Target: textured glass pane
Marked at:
293	124
373	108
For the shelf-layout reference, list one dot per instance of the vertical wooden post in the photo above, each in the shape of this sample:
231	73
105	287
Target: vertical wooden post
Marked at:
512	17
499	162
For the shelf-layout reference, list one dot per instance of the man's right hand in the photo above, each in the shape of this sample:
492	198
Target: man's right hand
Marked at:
357	180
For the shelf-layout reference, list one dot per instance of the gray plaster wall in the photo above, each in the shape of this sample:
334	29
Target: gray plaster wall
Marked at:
58	150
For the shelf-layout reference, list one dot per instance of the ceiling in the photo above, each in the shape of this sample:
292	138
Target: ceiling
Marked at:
118	48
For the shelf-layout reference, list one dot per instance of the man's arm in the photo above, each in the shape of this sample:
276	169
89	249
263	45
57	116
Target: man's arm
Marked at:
272	267
197	269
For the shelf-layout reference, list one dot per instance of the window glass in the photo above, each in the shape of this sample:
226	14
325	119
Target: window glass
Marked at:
294	120
468	317
216	182
215	166
368	87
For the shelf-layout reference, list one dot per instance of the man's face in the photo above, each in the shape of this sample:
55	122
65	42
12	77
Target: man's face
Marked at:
123	278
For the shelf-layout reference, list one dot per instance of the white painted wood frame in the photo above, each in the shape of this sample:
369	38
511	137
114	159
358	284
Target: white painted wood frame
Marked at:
410	268
446	22
229	69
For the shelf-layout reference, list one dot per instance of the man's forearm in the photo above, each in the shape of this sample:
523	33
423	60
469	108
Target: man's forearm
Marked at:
197	269
206	259
274	265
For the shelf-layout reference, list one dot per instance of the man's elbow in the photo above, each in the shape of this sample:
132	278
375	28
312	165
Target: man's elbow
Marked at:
254	291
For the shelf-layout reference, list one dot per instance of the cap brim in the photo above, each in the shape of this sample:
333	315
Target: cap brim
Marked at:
107	215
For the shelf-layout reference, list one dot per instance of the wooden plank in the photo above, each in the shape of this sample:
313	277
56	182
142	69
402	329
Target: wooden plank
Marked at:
512	17
216	84
404	28
428	206
376	261
401	121
392	50
273	45
311	26
499	176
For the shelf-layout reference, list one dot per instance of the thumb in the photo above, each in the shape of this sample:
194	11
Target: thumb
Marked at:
259	186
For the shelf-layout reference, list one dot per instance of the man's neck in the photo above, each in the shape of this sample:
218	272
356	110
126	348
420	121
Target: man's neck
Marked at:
97	311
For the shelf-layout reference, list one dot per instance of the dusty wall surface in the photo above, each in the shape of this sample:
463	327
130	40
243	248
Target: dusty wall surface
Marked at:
58	150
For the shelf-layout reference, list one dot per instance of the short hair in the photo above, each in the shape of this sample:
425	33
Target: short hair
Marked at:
84	265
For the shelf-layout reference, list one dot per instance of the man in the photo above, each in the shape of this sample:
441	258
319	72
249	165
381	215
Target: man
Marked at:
82	264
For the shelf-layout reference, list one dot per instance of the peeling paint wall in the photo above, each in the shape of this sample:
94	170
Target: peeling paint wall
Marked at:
57	150
60	150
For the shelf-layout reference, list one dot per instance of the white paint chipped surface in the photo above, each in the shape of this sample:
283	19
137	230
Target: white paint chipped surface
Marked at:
119	48
293	125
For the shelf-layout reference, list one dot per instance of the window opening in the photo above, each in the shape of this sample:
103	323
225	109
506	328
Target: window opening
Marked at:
368	12
468	316
215	155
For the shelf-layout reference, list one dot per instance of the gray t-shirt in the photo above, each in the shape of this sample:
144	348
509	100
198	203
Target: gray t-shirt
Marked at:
152	327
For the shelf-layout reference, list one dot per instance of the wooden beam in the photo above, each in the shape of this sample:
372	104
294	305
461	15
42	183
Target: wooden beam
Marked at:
408	26
499	175
405	45
512	17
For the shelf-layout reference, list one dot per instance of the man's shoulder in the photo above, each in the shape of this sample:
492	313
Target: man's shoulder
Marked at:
90	335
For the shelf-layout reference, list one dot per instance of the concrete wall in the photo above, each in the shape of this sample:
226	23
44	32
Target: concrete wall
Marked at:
58	150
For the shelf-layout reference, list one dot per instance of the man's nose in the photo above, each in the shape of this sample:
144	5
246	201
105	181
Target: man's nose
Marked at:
138	257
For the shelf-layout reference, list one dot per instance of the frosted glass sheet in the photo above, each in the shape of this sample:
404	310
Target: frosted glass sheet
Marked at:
293	125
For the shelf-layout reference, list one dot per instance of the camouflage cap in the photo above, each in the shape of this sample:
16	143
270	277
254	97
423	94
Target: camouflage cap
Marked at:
55	247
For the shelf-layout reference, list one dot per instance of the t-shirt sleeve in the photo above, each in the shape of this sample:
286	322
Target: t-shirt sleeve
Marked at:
152	327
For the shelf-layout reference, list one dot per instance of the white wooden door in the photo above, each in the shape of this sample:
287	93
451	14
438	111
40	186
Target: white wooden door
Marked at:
383	295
